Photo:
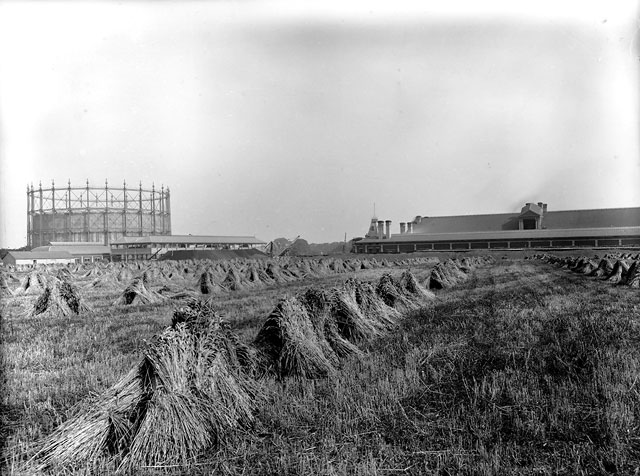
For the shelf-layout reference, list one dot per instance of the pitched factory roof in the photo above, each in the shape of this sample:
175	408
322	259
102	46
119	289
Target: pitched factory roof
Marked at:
75	243
81	249
188	240
40	255
565	219
513	235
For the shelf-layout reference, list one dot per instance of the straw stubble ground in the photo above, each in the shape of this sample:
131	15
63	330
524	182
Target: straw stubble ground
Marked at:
523	369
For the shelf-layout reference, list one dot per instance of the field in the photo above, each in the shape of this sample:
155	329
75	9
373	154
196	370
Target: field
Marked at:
524	367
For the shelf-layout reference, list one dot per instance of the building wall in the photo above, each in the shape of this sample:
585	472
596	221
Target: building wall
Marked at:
27	262
552	220
497	244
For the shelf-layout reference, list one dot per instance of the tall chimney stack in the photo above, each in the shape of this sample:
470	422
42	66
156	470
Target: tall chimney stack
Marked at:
387	231
409	227
403	228
380	229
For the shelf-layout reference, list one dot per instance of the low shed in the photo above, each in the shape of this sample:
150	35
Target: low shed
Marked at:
30	258
83	252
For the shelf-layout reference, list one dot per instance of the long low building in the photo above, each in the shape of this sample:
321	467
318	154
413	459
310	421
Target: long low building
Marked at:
33	258
83	252
534	227
154	247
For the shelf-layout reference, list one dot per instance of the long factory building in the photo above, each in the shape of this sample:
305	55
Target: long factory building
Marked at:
534	227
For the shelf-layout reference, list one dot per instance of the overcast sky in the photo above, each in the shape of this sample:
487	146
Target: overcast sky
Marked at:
292	118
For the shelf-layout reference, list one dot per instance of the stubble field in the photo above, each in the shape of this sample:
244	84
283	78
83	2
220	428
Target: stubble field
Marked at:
521	368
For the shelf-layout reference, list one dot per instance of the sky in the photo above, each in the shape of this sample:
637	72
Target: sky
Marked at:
286	118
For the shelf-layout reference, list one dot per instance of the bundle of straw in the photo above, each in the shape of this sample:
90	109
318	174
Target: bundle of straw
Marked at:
59	299
234	280
137	293
289	345
33	283
351	322
410	285
605	266
187	393
371	305
619	272
632	279
393	295
207	285
318	305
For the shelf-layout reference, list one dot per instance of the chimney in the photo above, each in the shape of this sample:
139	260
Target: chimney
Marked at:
409	227
380	229
540	204
403	228
387	226
544	208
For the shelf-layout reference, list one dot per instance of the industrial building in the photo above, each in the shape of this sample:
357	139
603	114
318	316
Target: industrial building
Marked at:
82	252
32	258
534	227
154	247
87	224
95	214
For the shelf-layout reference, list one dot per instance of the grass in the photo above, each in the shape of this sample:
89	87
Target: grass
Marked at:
522	369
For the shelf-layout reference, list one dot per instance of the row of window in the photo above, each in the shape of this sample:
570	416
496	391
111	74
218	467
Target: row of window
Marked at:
484	245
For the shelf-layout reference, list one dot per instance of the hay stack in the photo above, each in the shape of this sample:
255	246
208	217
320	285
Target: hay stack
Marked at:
288	344
106	281
454	270
291	270
4	285
64	274
351	322
440	278
234	280
605	267
187	392
93	272
371	305
124	275
59	299
586	266
619	272
207	285
274	272
253	276
393	294
318	305
410	285
33	283
137	293
305	269
632	279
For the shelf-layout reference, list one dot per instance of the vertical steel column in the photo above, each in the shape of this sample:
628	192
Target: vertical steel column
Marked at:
162	209
40	190
87	222
33	212
28	219
140	208
69	230
153	207
124	210
53	211
168	212
106	212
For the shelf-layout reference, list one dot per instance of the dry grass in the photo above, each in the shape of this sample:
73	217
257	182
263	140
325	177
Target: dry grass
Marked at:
188	392
522	368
